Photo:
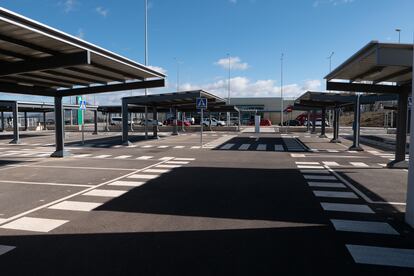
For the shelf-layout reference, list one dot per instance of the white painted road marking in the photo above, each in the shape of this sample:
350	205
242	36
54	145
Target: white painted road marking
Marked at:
177	162
335	194
307	163
103	156
279	148
331	163
342	207
244	147
143	176
326	184
169	166
5	248
144	157
76	206
319	177
156	171
227	146
374	255
105	193
184	159
358	164
127	183
373	227
261	147
34	224
315	171
309	167
123	157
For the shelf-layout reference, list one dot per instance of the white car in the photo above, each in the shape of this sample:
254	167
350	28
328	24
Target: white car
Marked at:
151	122
213	122
318	122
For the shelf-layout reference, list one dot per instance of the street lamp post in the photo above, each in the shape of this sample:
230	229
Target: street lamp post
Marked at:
281	91
228	90
146	64
399	35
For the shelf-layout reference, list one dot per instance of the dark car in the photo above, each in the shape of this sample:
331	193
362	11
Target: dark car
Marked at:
291	123
179	122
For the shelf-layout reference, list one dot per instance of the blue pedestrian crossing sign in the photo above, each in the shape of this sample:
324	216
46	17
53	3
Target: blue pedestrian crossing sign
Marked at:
201	103
82	105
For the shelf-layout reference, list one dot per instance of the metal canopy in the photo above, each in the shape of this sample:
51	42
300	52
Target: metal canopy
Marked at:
186	99
312	99
7	106
39	60
377	63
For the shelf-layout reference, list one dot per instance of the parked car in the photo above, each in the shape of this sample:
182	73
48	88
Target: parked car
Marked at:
150	122
213	122
291	123
191	120
318	122
263	122
179	122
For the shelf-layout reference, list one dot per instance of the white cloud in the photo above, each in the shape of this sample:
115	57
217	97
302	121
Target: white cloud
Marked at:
332	2
233	1
158	69
102	11
235	63
68	5
81	34
243	87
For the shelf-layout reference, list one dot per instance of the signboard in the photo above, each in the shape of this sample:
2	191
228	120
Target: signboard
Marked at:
82	105
80	113
201	103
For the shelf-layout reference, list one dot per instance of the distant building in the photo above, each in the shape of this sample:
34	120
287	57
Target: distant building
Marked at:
266	107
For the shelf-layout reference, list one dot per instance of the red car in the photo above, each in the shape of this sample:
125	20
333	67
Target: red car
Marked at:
179	122
263	122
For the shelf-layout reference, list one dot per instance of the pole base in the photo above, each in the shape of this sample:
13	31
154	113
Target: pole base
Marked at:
335	141
156	137
60	154
323	136
313	132
398	164
174	134
95	133
126	143
15	141
356	148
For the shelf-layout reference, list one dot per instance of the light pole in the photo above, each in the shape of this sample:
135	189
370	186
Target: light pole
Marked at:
178	74
281	91
330	61
228	90
146	64
399	35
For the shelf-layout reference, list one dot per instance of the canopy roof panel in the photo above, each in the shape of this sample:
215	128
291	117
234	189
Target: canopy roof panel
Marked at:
6	106
38	59
377	62
176	99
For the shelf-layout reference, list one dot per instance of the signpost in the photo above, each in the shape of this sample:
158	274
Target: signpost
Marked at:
82	108
201	103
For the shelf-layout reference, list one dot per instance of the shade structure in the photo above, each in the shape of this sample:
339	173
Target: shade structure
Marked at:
39	60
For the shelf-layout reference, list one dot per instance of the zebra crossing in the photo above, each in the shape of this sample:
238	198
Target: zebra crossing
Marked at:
389	156
83	201
355	217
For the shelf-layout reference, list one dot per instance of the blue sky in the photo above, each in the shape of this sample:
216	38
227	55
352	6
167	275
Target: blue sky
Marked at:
200	33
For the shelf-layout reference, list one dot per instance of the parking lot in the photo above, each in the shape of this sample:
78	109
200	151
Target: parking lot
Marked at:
243	204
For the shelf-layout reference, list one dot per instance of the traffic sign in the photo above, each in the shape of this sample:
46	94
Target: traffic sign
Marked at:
82	105
201	103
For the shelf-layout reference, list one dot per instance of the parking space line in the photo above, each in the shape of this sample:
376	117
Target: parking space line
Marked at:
345	207
386	256
6	248
156	171
127	183
123	157
102	156
326	184
34	224
319	177
372	227
335	194
144	157
76	206
45	183
177	162
105	193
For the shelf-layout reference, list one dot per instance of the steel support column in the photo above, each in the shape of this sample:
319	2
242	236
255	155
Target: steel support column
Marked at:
25	121
182	121
107	122
15	111
125	123
155	126
323	123
238	122
313	121
44	121
308	122
175	122
409	209
356	125
335	138
59	129
95	122
2	122
401	139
